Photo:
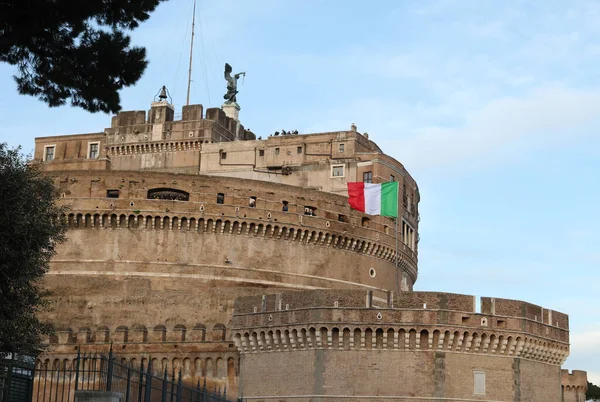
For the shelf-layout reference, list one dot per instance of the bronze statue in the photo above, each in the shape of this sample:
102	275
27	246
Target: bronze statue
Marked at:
230	96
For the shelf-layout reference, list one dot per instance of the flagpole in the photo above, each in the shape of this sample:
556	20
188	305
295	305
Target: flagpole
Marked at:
397	213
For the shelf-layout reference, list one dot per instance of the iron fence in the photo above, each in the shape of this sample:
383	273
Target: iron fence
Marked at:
98	372
16	379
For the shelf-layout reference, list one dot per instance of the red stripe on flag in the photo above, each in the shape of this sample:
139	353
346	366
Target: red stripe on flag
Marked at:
356	196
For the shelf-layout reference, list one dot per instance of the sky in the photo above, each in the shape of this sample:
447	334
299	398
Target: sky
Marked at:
493	107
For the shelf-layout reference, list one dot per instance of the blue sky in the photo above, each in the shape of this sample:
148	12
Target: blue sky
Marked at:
492	106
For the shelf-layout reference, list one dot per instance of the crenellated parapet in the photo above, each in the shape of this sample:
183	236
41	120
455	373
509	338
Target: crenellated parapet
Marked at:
574	385
412	321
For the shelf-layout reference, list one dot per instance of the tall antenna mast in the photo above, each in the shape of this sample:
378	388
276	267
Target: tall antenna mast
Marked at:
191	53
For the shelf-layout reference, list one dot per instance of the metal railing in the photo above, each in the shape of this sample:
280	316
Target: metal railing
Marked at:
98	372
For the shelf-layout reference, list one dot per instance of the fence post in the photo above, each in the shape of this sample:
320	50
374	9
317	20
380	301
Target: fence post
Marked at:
141	381
198	392
7	381
164	387
77	367
179	388
204	391
109	372
148	391
128	389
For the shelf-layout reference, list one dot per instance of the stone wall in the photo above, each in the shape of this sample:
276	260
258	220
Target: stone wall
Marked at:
329	344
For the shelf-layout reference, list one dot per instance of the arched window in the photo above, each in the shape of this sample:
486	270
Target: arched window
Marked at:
170	194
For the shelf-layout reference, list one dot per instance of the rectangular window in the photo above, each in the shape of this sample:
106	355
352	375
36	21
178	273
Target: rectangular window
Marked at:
299	150
93	150
276	151
479	382
392	177
284	206
341	218
220	198
261	152
337	171
368	177
310	211
342	148
112	193
223	155
49	153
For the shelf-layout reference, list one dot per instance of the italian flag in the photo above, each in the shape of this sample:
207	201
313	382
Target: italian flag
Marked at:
374	199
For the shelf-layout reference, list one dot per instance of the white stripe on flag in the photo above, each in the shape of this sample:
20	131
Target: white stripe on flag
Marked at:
372	199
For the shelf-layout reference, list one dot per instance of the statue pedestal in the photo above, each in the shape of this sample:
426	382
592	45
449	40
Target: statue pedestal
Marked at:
232	110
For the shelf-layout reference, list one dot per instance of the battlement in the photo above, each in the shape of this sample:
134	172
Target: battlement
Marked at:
425	321
574	385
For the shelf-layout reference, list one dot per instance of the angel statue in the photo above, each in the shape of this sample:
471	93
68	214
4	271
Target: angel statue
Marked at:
231	84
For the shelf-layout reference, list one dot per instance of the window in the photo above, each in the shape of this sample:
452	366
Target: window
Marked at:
261	152
341	218
368	177
299	150
252	202
479	382
310	211
112	193
220	198
342	148
93	148
392	177
49	152
408	235
223	155
276	151
337	171
365	222
284	208
170	194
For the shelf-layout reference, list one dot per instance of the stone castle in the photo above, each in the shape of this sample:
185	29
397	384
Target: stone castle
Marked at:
206	251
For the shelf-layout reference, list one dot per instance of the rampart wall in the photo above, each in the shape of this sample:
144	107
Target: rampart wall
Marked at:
574	385
336	344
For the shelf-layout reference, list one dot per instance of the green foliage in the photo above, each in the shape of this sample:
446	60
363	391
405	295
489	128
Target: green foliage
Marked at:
29	232
74	50
593	392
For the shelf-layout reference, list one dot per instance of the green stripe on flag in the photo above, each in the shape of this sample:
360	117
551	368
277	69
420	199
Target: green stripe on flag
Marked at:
389	199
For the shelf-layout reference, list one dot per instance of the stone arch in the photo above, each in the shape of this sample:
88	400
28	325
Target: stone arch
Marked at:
159	333
184	224
231	372
412	339
227	227
424	340
357	335
87	220
268	230
219	332
122	334
390	338
235	229
179	333
131	223
174	223
276	231
71	220
323	334
252	229
368	338
209	226
157	222
335	337
209	368
166	223
312	337
218	226
244	228
122	221
290	234
259	229
346	335
198	367
199	332
446	343
379	338
303	338
401	339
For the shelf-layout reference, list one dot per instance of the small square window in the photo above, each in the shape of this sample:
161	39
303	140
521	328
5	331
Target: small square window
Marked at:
252	202
285	207
392	177
276	151
223	155
341	218
49	153
342	147
368	177
299	150
261	152
93	150
310	211
112	193
220	198
337	171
